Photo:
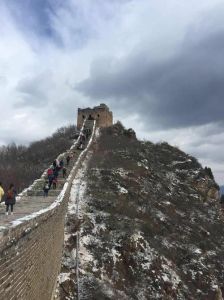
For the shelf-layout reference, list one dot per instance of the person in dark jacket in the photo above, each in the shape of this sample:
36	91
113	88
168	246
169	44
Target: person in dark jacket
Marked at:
68	159
46	188
55	173
64	171
80	146
61	164
54	164
10	199
55	180
50	180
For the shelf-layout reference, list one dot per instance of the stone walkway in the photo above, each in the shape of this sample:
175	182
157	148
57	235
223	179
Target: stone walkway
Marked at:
24	207
34	201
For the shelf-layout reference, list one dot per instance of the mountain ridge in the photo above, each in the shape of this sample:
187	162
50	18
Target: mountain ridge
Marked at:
151	226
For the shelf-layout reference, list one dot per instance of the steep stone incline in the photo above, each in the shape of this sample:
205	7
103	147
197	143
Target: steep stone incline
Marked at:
151	227
31	240
31	200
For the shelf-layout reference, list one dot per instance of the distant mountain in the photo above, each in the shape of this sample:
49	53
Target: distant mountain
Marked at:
222	189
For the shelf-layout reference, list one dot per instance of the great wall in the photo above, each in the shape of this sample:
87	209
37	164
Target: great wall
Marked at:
35	242
31	240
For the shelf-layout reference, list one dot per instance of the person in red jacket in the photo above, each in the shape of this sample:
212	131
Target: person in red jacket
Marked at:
50	175
50	172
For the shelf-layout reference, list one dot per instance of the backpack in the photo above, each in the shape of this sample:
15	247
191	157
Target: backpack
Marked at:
9	195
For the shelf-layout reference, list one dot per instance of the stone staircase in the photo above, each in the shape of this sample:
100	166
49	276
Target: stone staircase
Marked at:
37	187
32	199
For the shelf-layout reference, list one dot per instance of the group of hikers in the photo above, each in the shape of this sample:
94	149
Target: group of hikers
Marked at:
58	165
53	172
52	176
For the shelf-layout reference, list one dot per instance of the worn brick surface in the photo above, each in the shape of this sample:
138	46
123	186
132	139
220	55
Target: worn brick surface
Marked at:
30	257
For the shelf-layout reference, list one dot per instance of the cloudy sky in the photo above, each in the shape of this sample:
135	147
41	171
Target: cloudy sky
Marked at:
159	65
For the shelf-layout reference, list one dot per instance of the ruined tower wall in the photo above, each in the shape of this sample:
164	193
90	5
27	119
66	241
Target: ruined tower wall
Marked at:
101	113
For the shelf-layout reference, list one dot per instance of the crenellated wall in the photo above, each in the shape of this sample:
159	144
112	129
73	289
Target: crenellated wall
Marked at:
31	249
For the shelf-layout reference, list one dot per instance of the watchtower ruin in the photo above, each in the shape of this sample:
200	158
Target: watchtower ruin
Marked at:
101	113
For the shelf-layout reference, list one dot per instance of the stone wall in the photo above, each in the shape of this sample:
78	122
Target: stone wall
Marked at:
30	252
101	114
31	255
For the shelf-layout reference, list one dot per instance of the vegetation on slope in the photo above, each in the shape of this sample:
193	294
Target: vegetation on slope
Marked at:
151	227
23	164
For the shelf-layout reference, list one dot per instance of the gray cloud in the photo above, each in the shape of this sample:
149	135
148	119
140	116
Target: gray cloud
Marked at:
33	91
185	90
160	69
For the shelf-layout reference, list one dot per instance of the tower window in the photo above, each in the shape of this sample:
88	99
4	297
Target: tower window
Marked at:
83	116
98	115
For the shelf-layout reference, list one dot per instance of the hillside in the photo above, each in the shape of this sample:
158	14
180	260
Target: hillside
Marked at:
150	225
23	164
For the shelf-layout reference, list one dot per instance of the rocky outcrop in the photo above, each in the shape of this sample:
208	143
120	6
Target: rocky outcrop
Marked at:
207	188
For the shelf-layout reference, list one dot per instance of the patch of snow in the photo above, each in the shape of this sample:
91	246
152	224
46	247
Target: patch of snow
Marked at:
179	212
214	287
211	253
85	255
169	274
174	163
115	255
67	237
97	134
147	254
165	277
122	190
167	203
161	215
121	172
166	243
143	164
63	277
195	249
136	236
98	227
